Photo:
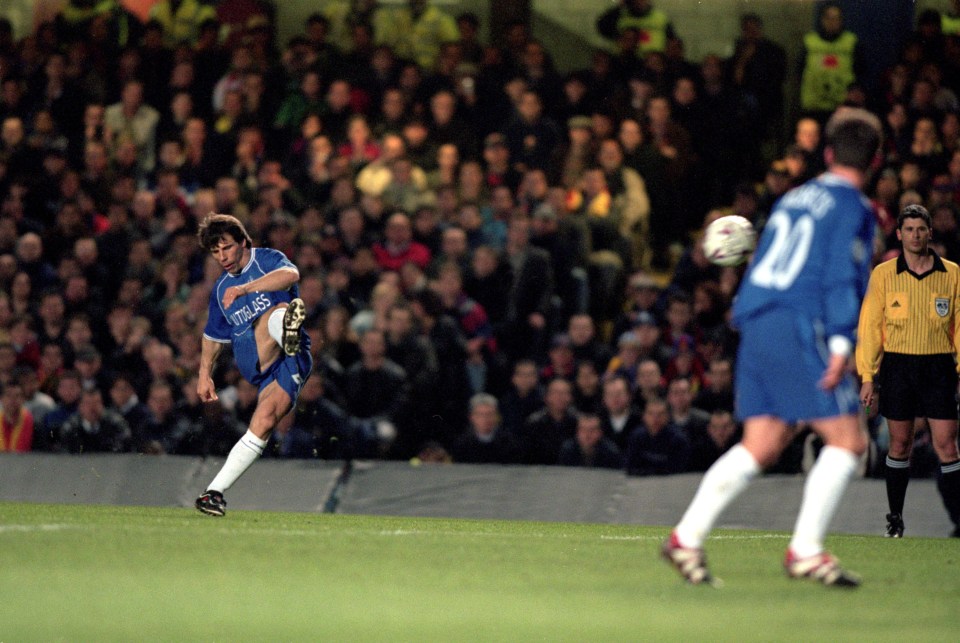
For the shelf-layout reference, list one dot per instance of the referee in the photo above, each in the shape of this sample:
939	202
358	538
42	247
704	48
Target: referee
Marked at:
908	341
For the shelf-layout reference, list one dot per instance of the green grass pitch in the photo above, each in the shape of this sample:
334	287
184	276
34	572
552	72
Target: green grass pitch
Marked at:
105	573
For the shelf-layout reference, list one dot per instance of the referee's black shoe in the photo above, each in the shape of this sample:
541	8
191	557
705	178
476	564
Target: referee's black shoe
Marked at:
894	526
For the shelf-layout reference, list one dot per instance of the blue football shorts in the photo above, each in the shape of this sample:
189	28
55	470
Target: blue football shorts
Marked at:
290	371
781	359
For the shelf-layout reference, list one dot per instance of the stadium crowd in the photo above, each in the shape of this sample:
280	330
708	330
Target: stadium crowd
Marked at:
498	260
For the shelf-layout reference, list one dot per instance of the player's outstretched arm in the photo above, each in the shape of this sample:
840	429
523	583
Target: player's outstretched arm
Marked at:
279	279
209	350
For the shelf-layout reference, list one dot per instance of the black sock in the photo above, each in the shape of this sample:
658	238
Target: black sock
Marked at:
948	483
898	476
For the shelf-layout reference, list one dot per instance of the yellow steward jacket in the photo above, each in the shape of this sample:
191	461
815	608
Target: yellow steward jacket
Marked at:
907	313
828	70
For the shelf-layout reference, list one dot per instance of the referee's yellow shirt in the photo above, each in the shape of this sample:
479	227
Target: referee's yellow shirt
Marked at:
907	313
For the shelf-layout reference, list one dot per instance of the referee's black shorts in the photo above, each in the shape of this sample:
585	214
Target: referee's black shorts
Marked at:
913	386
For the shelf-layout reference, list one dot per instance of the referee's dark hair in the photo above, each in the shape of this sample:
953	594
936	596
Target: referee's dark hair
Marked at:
914	211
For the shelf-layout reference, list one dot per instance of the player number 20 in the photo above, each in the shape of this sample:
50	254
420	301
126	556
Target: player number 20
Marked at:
787	254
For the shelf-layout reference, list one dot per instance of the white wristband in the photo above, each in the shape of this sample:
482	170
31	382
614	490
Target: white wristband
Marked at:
840	345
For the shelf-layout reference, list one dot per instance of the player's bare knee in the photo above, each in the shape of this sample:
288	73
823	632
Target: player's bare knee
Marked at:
859	444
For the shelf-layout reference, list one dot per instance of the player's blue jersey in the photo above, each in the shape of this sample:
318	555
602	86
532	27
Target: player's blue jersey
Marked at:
235	324
813	257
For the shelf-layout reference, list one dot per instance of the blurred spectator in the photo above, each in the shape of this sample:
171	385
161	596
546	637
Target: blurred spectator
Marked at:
531	288
124	400
523	398
67	395
657	447
649	383
587	393
32	260
691	420
16	420
468	25
453	383
415	354
89	364
721	433
653	26
38	402
618	417
582	331
181	19
93	428
832	59
473	322
531	135
415	31
545	431
132	117
685	362
629	194
398	246
717	391
24	340
168	430
376	388
759	69
590	448
485	441
499	169
566	240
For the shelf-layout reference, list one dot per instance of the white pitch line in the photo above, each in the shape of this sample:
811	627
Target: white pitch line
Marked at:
20	529
743	537
297	533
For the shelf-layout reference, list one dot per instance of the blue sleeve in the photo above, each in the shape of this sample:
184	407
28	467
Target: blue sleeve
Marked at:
217	327
270	260
847	260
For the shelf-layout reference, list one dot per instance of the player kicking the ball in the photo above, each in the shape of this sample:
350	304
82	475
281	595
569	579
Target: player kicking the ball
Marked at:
253	306
797	310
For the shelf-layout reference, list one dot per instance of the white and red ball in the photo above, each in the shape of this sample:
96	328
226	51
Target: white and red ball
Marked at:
729	240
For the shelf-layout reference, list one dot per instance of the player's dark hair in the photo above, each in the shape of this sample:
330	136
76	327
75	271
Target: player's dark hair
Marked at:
854	134
914	211
215	226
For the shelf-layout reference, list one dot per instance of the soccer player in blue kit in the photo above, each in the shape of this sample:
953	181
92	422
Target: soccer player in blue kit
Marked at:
254	306
797	310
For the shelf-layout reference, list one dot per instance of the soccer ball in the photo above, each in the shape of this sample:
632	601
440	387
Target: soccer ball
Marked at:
729	240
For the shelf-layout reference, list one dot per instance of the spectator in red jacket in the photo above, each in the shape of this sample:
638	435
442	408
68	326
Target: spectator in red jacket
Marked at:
398	246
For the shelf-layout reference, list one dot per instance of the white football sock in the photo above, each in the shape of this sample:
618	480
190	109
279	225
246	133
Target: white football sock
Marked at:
275	325
825	485
723	482
244	453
